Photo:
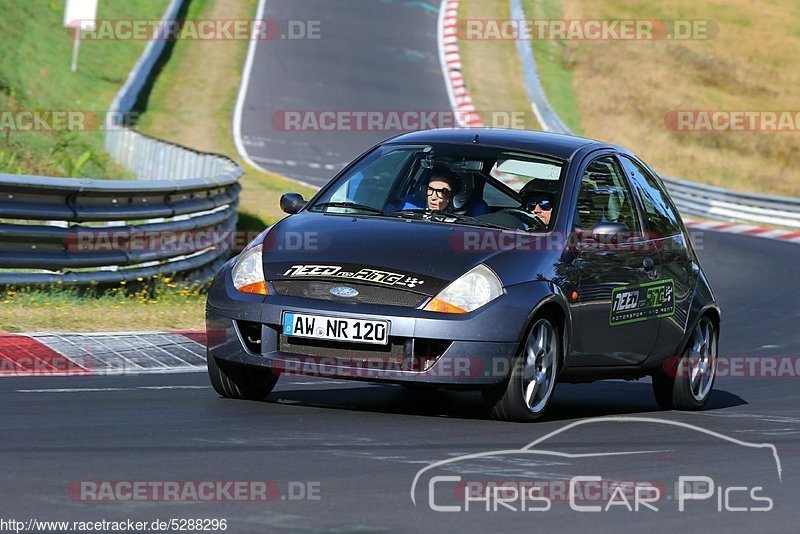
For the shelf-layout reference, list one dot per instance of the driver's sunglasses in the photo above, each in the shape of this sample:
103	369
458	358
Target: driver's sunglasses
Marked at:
544	204
441	193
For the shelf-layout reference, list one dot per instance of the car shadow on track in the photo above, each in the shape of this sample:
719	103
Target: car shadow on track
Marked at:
571	401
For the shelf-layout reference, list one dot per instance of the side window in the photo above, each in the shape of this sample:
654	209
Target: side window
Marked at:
604	196
371	185
661	218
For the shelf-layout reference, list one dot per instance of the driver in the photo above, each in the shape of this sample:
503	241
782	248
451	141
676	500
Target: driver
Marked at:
539	203
443	185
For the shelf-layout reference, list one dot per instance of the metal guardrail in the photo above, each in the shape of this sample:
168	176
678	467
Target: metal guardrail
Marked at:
155	159
49	231
85	231
690	197
718	203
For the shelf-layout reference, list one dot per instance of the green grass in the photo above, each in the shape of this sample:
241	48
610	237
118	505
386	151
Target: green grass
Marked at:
160	304
555	65
35	75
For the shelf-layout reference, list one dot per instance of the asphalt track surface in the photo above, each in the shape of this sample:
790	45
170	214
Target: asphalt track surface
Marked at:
372	55
362	444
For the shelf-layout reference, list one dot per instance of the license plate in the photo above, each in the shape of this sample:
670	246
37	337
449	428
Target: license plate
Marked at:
335	328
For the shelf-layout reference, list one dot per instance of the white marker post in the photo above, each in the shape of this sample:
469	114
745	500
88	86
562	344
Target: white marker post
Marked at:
80	15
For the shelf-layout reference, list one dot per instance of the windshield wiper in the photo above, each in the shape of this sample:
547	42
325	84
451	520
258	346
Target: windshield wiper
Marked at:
473	220
442	216
410	211
351	205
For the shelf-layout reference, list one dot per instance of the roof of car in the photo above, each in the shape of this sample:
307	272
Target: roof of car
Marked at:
558	145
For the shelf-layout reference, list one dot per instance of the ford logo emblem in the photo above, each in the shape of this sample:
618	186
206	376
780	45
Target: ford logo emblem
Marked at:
344	291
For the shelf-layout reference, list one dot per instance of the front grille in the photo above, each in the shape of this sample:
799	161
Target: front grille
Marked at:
355	353
367	294
400	353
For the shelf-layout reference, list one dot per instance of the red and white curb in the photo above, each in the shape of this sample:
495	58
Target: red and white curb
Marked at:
789	236
72	354
450	59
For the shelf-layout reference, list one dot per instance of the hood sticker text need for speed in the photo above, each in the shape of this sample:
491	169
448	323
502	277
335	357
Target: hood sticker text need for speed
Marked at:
366	275
653	300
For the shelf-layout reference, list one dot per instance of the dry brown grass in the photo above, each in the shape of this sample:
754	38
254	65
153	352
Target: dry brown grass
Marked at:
624	89
492	69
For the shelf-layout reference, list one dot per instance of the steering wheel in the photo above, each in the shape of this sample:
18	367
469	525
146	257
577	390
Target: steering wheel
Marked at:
529	220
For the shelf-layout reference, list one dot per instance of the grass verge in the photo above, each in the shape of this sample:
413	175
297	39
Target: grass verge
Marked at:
35	76
626	89
492	68
159	305
555	63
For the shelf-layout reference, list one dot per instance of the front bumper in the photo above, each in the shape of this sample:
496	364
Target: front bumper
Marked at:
471	350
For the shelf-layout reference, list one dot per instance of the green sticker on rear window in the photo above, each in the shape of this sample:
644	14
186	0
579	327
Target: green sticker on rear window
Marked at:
631	304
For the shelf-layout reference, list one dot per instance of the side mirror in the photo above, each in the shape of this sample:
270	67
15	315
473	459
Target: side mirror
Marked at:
610	232
292	202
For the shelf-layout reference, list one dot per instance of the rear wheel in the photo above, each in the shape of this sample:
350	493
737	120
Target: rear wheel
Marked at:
689	385
236	381
530	387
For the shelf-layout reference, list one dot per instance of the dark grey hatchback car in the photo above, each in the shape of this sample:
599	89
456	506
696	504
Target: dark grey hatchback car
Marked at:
499	260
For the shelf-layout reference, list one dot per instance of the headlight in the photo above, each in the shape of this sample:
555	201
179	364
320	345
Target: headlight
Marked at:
248	272
469	292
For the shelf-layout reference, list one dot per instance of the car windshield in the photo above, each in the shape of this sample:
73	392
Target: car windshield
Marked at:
454	184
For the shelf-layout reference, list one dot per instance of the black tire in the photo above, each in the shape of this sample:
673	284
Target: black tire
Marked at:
687	384
236	381
509	402
663	385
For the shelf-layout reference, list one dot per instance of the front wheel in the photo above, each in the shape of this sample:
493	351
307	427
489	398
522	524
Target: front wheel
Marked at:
688	385
530	387
236	381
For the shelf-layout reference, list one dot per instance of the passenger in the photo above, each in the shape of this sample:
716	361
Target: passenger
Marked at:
443	185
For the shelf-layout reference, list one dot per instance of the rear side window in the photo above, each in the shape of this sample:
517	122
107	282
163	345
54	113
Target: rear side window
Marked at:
661	217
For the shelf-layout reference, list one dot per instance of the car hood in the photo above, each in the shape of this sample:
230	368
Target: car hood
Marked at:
417	255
